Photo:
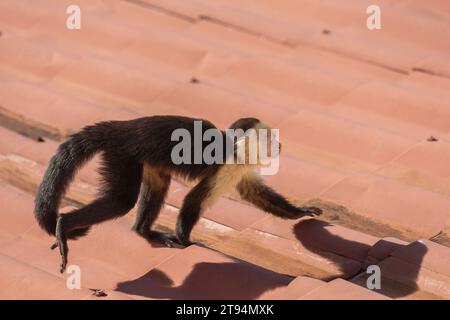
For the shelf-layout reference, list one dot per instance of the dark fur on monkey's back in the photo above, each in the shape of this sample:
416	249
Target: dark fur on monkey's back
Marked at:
125	146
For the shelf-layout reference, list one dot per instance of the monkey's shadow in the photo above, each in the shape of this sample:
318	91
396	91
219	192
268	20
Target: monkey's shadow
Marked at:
238	280
206	281
314	236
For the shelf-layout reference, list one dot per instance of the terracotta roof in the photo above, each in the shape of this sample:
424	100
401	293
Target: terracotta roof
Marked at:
364	117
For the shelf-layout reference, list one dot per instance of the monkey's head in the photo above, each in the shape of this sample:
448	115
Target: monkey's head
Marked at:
255	142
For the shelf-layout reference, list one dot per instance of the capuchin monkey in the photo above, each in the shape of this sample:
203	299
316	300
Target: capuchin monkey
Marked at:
137	163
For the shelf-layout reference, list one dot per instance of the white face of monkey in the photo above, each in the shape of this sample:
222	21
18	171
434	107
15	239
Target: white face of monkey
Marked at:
272	142
259	145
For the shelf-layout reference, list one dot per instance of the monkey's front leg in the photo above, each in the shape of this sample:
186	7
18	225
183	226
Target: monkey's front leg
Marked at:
192	208
252	189
185	223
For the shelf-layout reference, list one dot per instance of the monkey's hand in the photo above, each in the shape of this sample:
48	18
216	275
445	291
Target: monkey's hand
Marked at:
182	241
166	239
307	211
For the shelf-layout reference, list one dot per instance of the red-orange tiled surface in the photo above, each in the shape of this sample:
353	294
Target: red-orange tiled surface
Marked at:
364	118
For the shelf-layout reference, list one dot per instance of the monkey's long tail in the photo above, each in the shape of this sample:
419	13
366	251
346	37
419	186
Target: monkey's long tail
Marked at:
71	155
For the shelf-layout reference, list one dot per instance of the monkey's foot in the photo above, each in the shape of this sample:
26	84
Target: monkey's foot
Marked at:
63	252
63	257
61	243
63	264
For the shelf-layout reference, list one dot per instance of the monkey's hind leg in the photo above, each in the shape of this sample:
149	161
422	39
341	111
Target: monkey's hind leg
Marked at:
155	185
119	195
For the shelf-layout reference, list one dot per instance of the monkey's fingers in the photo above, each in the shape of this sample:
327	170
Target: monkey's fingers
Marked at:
168	240
312	211
184	243
172	242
